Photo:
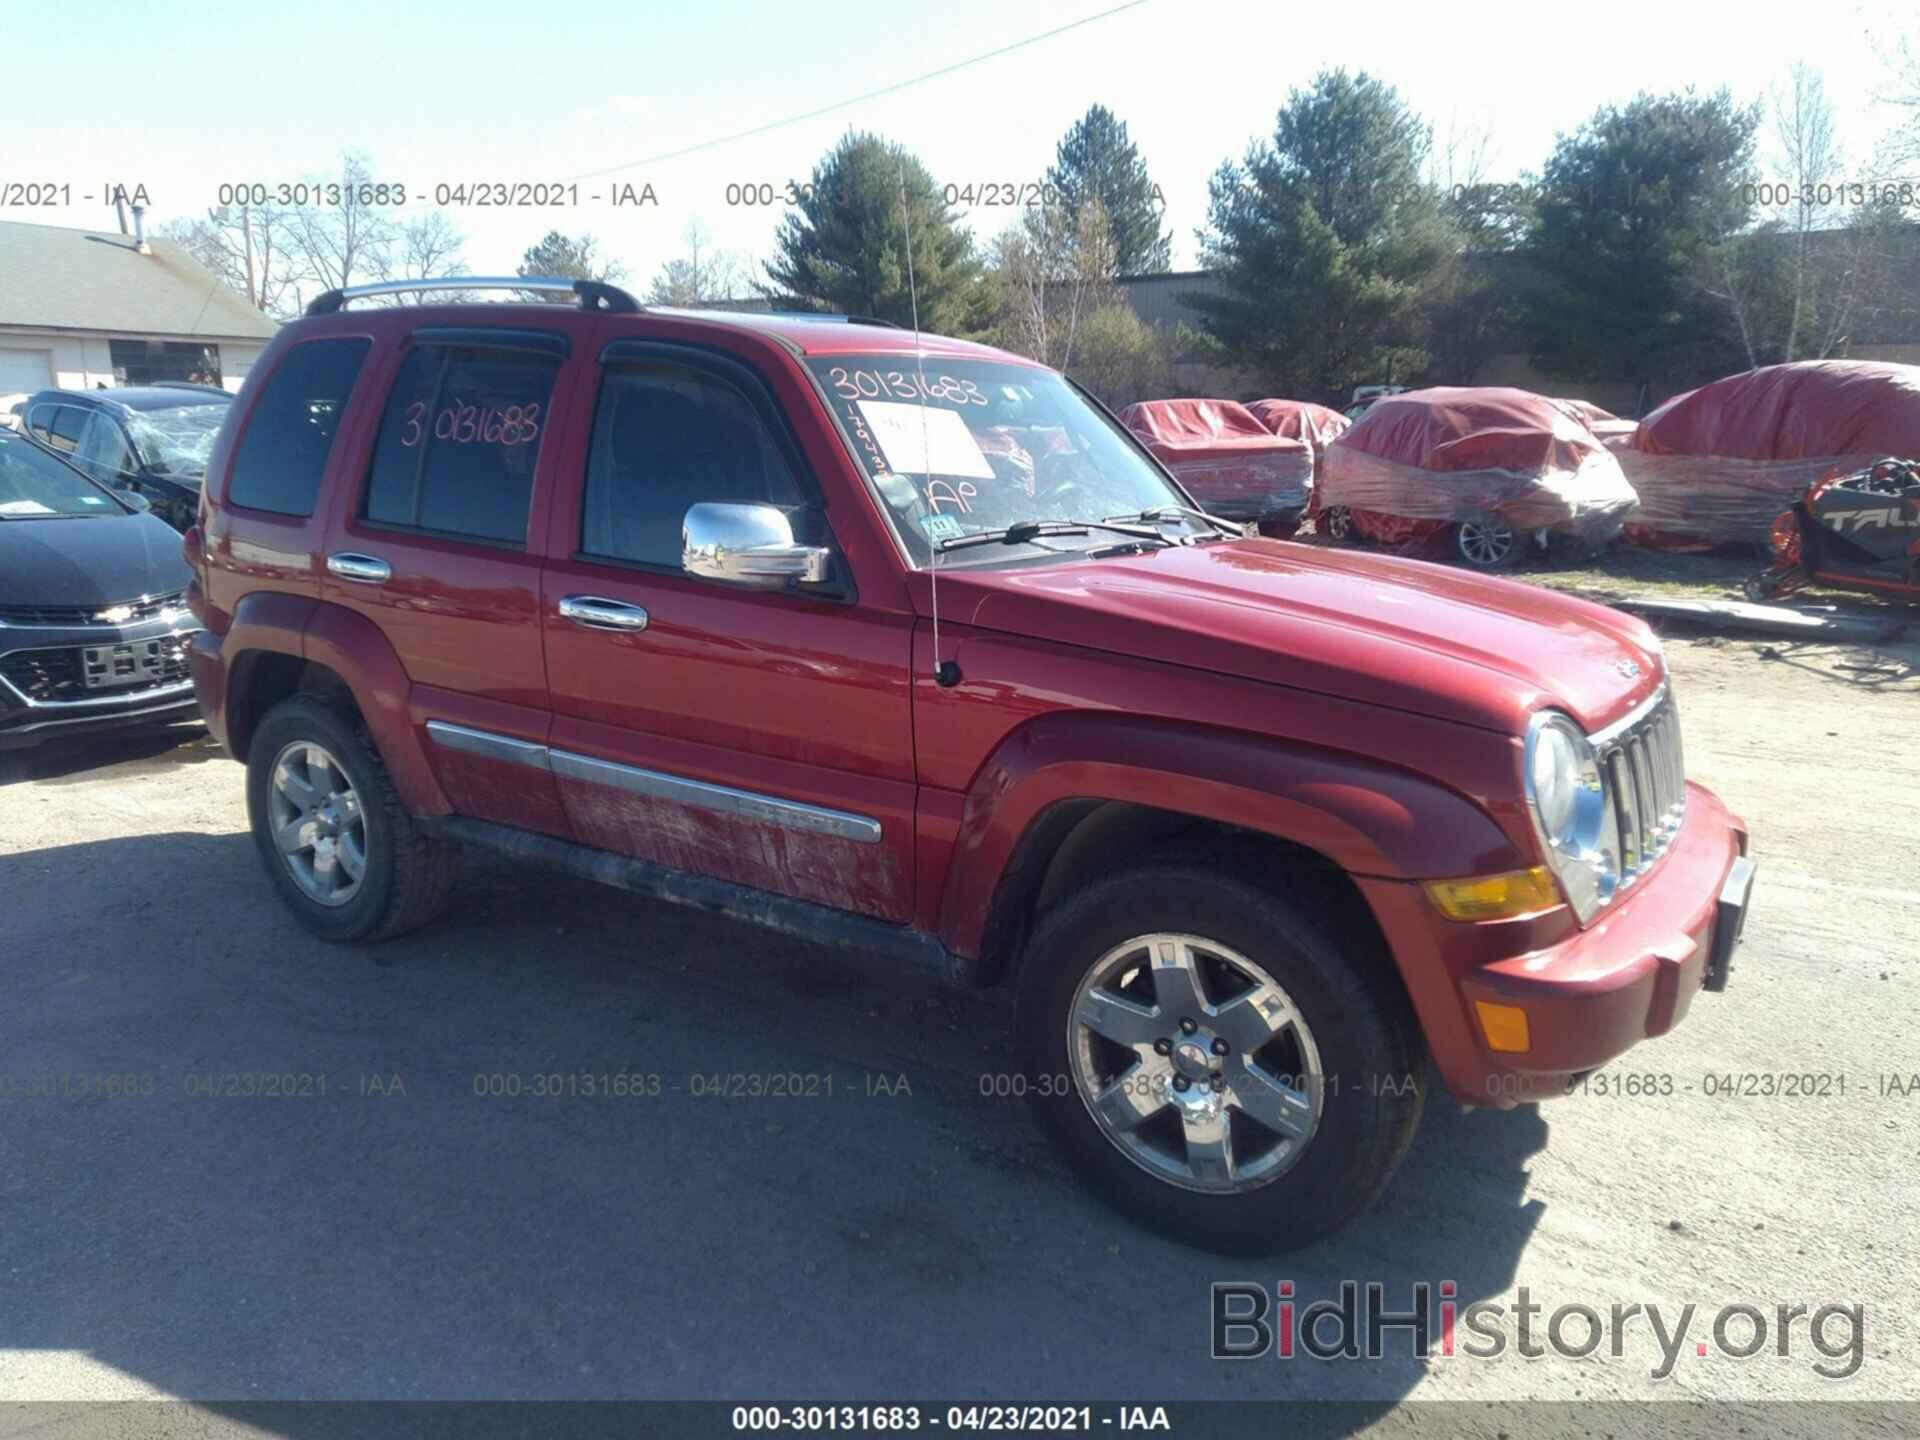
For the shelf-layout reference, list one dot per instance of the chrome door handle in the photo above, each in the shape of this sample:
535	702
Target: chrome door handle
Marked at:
367	569
598	614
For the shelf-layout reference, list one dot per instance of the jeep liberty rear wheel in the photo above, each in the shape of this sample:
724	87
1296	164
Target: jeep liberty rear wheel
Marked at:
1215	1063
330	829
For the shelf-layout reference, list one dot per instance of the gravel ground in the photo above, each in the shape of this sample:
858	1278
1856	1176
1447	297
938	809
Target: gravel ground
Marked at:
400	1235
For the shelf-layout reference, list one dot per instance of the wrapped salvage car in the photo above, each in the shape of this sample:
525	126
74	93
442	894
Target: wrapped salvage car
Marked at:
1318	425
1482	467
1613	431
1230	463
1718	465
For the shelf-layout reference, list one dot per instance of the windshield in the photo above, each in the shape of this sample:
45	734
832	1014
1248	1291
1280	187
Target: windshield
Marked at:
993	445
177	442
35	486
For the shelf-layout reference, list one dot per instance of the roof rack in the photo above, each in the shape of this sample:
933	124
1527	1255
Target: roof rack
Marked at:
594	295
829	317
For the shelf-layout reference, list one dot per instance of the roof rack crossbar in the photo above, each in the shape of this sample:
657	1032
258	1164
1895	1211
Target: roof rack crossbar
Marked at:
593	294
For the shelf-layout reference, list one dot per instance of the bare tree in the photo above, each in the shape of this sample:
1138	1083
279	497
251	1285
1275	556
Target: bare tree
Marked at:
344	235
1803	125
1901	148
252	248
1051	269
701	275
1793	285
428	248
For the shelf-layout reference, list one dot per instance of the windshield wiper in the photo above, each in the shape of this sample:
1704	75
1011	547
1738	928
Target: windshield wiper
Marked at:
1026	531
1162	513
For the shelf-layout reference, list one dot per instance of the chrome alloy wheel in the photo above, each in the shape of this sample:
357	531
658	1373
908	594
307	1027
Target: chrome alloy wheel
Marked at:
1484	544
1195	1063
317	825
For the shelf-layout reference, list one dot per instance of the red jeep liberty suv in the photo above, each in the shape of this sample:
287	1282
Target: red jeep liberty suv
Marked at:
904	643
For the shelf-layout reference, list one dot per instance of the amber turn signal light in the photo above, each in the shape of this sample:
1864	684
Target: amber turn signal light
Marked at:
1496	897
1505	1027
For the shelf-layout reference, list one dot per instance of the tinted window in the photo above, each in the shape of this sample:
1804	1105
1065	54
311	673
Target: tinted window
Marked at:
290	433
58	427
459	440
666	437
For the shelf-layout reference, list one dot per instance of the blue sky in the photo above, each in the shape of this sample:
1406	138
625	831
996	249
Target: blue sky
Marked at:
183	97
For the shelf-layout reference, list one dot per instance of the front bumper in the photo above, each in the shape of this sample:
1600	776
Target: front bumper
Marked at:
1589	995
38	702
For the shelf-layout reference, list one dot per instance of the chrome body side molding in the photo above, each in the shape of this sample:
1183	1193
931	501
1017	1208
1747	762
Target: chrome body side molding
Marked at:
657	784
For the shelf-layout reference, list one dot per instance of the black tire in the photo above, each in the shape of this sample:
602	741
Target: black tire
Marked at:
1368	1043
1336	523
408	873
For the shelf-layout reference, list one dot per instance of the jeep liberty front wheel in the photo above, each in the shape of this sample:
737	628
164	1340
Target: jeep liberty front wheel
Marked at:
1217	1066
331	831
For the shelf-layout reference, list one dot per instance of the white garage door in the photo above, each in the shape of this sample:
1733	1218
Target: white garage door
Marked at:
24	371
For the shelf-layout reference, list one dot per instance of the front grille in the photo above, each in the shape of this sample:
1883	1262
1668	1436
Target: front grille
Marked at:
144	607
1646	779
54	675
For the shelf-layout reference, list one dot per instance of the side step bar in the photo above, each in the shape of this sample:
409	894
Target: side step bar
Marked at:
802	919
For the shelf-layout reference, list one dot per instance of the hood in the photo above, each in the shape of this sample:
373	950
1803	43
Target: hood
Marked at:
88	561
1375	629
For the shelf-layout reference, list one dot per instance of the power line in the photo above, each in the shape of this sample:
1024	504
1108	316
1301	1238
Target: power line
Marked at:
857	99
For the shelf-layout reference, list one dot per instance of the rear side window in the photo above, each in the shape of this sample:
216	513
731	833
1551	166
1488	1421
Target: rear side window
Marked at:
459	442
290	433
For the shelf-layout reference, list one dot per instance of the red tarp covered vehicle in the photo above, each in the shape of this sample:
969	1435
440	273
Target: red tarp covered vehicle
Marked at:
1484	465
1231	463
1611	430
1318	425
1719	464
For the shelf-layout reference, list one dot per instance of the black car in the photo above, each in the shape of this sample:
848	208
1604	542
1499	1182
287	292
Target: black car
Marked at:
147	440
93	616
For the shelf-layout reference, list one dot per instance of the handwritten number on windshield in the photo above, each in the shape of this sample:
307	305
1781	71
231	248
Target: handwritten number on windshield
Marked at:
894	385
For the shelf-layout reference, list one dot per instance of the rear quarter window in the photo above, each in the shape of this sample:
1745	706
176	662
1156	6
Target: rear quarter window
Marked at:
283	451
459	442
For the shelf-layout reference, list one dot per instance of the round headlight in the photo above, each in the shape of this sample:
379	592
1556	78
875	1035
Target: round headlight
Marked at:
1554	769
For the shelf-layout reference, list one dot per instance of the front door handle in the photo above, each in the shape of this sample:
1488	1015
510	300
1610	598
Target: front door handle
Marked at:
598	614
366	569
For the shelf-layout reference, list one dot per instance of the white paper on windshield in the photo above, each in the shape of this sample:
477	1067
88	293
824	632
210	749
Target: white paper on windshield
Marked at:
24	507
920	440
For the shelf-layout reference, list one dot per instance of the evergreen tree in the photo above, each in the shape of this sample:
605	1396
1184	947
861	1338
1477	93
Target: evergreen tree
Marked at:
1096	161
1630	206
843	247
1329	246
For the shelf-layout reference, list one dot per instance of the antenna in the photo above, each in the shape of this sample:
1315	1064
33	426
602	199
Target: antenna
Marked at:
946	673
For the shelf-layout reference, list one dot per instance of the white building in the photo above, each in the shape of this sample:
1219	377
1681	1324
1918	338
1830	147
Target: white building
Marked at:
81	308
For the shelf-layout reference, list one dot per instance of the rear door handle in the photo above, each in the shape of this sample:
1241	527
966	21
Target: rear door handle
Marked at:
598	614
367	569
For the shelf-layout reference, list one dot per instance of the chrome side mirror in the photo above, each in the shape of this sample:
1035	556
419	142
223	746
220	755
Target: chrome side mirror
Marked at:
747	545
